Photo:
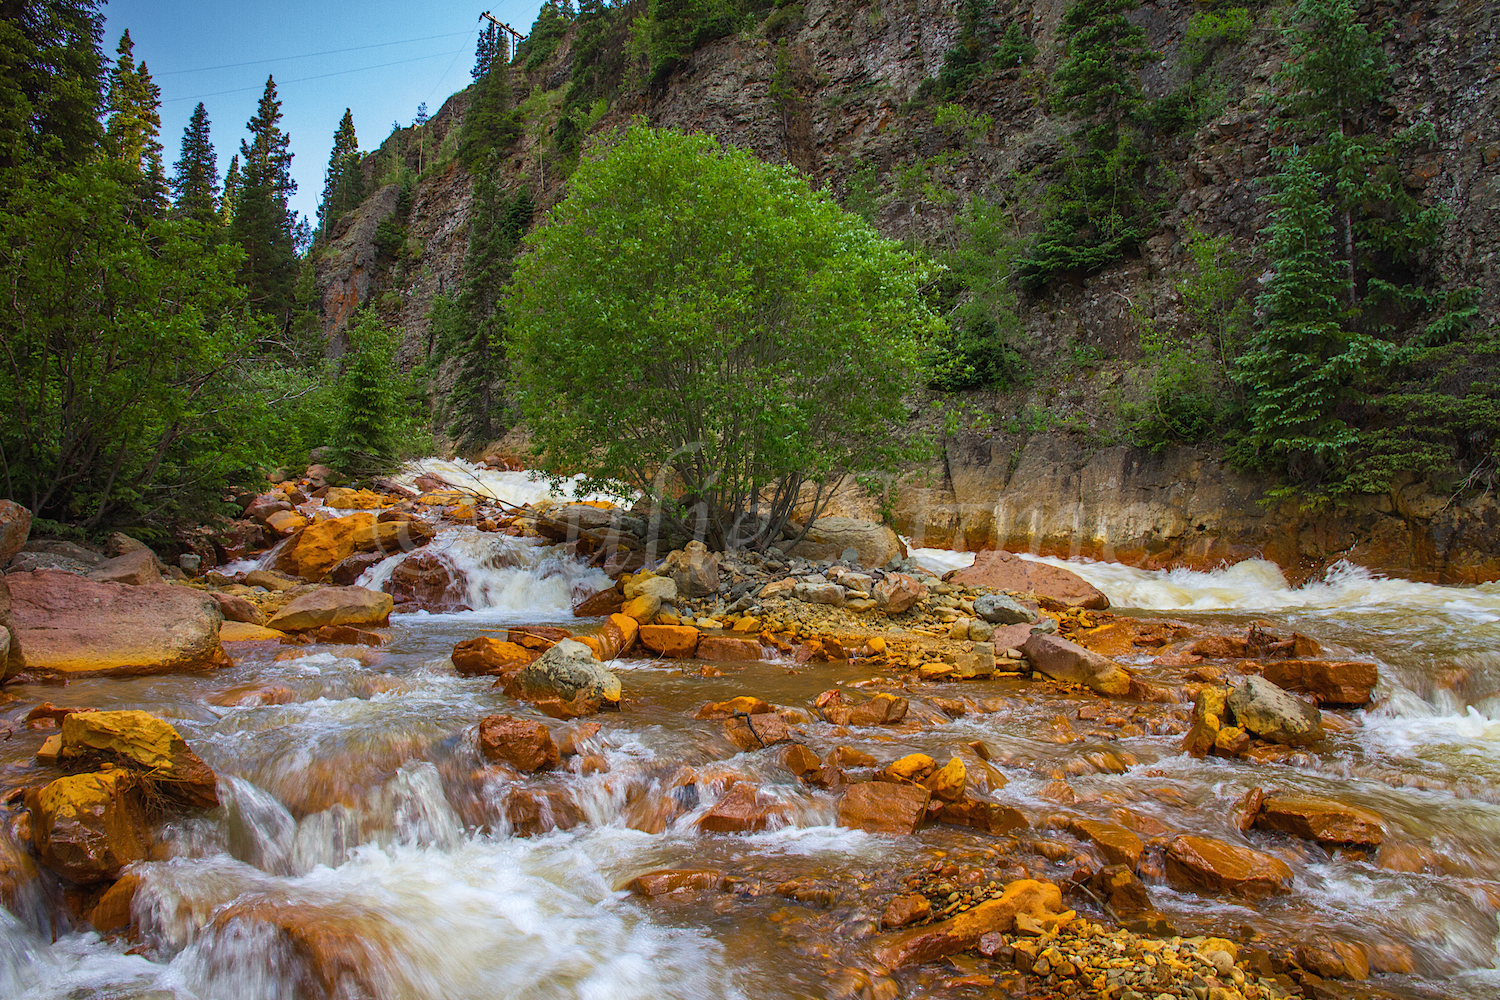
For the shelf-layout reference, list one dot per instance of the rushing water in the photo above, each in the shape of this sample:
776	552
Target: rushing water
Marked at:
360	807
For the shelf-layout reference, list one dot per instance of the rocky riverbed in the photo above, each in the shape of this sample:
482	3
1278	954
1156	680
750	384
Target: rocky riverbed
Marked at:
454	738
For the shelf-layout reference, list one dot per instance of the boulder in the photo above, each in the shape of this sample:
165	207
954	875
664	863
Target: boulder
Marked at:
663	588
743	809
828	537
948	783
522	743
1320	819
238	609
1118	845
1041	901
15	528
140	742
1199	864
997	609
390	537
246	632
1054	588
669	882
758	732
605	602
285	522
643	608
897	592
1262	708
136	568
333	606
348	571
883	807
87	827
270	579
119	543
694	570
325	949
819	593
1071	663
64	625
427	582
1118	886
725	649
617	637
569	674
342	498
1330	682
903	910
676	641
487	655
317	548
741	705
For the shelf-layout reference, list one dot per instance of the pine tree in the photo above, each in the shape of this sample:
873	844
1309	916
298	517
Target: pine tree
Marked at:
344	182
195	184
263	225
134	105
490	122
233	182
52	85
490	48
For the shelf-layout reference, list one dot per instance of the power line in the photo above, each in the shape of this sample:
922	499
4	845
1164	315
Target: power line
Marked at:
309	55
320	76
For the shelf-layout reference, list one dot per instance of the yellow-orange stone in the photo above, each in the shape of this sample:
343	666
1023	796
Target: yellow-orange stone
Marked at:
670	640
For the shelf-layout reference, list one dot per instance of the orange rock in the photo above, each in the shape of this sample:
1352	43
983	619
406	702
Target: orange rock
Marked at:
762	731
535	811
615	638
1042	901
723	649
87	827
1118	845
674	641
319	547
1330	682
978	814
487	655
112	912
1118	885
801	761
606	602
883	709
1199	864
745	704
742	809
905	910
521	743
947	784
883	807
541	637
672	881
1320	819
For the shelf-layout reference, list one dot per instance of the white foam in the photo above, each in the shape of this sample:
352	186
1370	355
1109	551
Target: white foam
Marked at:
516	488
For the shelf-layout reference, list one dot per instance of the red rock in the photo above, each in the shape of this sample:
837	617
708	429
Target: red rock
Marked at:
427	582
880	710
757	733
1330	682
978	814
606	602
111	913
723	649
489	656
521	743
1118	886
897	593
535	811
50	716
883	807
325	952
539	637
1038	900
673	881
87	827
348	571
743	704
1054	588
801	761
905	910
742	809
1320	819
136	568
333	606
1198	864
1118	845
673	641
1069	662
617	636
238	609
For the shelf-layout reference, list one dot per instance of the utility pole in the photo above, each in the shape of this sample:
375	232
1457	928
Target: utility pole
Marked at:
515	39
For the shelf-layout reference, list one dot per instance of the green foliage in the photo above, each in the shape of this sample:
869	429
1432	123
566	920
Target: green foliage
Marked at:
1097	210
344	181
702	327
977	291
862	191
982	47
263	225
675	28
1210	30
376	419
785	19
134	108
51	90
547	33
491	122
195	186
960	121
491	49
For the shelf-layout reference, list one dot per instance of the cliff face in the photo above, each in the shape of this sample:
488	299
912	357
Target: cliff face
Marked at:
833	94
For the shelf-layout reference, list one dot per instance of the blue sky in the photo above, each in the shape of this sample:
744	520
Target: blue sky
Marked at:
402	54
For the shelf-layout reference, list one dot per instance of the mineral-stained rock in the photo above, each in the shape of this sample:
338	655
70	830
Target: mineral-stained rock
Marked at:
948	783
663	588
87	827
672	881
15	528
246	632
820	593
829	537
883	807
801	761
1262	708
1118	886
111	913
535	811
743	809
1041	901
427	581
319	547
389	537
487	655
979	814
522	743
1331	682
136	568
897	592
694	570
1067	661
616	638
141	742
568	673
1199	864
676	641
757	732
324	951
1320	819
746	704
238	609
334	606
725	649
1054	588
903	910
63	624
1118	845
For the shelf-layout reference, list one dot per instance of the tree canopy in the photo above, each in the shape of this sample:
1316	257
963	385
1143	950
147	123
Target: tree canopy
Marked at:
700	326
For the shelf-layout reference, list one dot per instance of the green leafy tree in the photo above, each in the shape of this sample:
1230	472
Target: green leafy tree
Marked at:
547	32
263	225
702	327
492	47
195	186
982	351
1097	211
344	181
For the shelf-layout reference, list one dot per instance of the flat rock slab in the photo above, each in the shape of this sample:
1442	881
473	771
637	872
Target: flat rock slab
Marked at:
334	606
1321	819
1039	900
1071	663
1331	682
1199	864
1054	588
883	807
64	625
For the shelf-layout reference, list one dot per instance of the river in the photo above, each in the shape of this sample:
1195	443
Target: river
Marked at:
360	807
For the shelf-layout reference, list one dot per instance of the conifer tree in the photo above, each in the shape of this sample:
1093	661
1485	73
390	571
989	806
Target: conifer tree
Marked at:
490	47
263	225
52	85
491	121
195	184
134	109
233	182
344	182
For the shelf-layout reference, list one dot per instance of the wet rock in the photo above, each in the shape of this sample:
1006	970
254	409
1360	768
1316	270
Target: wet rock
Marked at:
742	704
673	641
1333	959
663	588
1055	589
317	548
532	812
979	814
912	767
693	569
271	580
677	881
1118	845
321	951
343	498
427	582
334	606
616	638
948	783
1039	901
238	609
1199	864
87	827
643	609
538	637
568	674
883	709
62	624
140	742
801	761
1320	819
285	522
1330	682
136	569
246	632
874	545
111	914
905	910
253	695
348	635
15	528
897	593
997	609
606	602
387	537
1071	663
883	807
1118	886
743	809
522	743
1262	708
819	593
1231	741
757	732
724	649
